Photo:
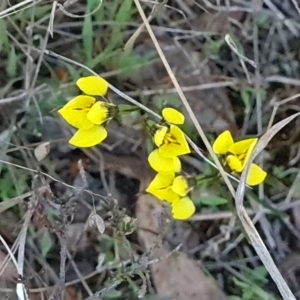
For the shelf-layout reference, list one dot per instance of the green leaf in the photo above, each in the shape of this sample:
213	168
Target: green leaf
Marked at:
113	294
46	243
211	200
11	67
87	35
124	12
127	108
246	97
3	36
259	274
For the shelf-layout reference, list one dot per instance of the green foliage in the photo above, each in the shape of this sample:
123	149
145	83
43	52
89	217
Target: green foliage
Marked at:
112	54
112	294
210	201
3	37
11	67
281	172
247	96
212	47
252	289
12	184
46	243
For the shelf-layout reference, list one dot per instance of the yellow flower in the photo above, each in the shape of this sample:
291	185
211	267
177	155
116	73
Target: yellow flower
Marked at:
183	209
88	115
173	116
171	141
163	164
237	156
167	187
173	189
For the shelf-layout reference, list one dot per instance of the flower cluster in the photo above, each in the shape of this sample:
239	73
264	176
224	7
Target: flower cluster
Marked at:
171	143
236	156
87	114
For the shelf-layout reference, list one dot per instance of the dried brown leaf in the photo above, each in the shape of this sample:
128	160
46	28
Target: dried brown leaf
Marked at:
177	277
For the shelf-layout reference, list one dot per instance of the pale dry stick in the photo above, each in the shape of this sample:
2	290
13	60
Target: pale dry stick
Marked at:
199	87
63	235
20	288
13	249
22	236
168	6
13	201
227	9
11	255
51	177
129	44
222	215
62	8
282	17
15	9
282	79
51	19
265	225
250	229
20	46
293	190
242	58
79	275
183	99
276	106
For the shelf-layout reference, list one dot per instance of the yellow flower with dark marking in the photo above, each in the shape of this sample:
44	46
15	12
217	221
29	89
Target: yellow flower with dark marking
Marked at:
171	141
173	189
87	114
167	187
237	155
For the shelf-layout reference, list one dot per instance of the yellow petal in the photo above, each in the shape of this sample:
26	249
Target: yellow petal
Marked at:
85	138
256	175
159	135
75	112
223	142
180	186
234	163
162	180
173	116
174	143
242	147
162	164
183	209
93	85
160	187
99	113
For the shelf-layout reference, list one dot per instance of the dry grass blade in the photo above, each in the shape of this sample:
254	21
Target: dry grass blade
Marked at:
18	7
255	238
